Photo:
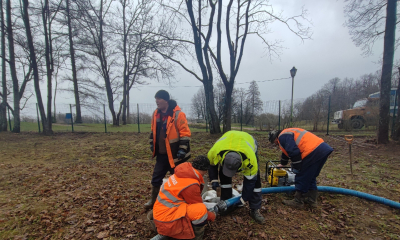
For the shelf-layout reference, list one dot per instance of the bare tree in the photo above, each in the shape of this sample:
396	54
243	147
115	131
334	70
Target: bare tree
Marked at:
136	24
254	101
3	93
32	55
387	66
242	17
367	23
68	14
94	42
18	92
198	107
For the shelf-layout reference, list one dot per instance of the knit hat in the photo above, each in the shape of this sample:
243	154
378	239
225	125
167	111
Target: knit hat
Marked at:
163	95
201	163
273	135
231	164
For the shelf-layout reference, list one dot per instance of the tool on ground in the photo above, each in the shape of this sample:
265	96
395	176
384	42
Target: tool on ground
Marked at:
349	139
278	176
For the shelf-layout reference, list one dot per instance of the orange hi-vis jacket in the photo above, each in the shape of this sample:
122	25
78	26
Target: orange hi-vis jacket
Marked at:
306	141
177	135
170	210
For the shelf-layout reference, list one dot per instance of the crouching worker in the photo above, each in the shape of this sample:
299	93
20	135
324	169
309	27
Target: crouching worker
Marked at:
235	152
179	211
308	154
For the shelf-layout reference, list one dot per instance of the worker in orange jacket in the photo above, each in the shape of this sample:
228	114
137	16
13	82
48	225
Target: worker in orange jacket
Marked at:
169	140
179	211
308	154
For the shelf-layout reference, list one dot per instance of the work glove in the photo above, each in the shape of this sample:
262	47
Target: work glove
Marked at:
151	147
284	161
211	216
181	154
215	185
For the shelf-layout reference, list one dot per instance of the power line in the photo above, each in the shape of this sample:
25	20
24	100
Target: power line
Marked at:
169	86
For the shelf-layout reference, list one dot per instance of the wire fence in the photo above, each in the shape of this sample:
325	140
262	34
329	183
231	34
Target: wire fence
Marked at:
275	114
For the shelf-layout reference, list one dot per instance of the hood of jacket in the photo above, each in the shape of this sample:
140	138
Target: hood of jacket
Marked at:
185	170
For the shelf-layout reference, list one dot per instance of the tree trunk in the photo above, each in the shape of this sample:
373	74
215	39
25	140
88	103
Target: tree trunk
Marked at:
227	120
104	67
388	54
49	60
212	115
396	134
78	116
127	108
3	105
16	94
34	64
125	76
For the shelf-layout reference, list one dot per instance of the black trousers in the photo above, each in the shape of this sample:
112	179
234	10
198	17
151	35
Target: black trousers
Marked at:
251	187
161	168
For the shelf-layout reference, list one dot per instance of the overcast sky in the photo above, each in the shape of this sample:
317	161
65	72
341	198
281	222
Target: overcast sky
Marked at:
329	54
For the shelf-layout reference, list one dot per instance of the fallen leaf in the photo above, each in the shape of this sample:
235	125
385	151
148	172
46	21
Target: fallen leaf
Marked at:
103	234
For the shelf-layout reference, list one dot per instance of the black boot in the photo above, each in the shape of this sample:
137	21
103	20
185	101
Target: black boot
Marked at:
311	198
198	232
154	194
256	215
296	202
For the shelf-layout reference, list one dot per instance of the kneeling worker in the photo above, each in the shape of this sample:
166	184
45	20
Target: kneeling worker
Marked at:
179	211
236	151
308	154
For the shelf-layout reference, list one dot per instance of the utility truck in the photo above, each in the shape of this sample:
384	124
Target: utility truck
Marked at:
365	112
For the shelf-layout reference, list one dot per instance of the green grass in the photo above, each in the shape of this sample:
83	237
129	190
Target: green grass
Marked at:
93	127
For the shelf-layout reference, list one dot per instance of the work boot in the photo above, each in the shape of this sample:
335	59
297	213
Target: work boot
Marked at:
154	194
199	232
296	202
256	215
311	198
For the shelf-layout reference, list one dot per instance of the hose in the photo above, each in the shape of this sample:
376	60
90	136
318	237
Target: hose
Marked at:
235	200
222	206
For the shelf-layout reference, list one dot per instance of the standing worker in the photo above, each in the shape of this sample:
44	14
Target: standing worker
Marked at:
308	154
169	140
235	152
179	211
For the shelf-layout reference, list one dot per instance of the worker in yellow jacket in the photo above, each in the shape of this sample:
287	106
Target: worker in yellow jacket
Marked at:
236	151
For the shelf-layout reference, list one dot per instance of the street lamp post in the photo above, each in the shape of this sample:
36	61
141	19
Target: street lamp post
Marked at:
292	73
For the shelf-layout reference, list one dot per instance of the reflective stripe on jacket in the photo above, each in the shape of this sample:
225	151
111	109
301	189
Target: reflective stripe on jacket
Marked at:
170	210
306	141
236	141
177	135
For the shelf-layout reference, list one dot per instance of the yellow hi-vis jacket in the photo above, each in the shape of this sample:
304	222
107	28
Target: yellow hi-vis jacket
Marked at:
236	141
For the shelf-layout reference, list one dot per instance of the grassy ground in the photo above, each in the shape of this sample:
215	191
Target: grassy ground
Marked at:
61	127
93	186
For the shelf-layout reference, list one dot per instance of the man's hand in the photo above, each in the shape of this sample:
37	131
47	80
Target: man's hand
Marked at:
280	165
181	154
